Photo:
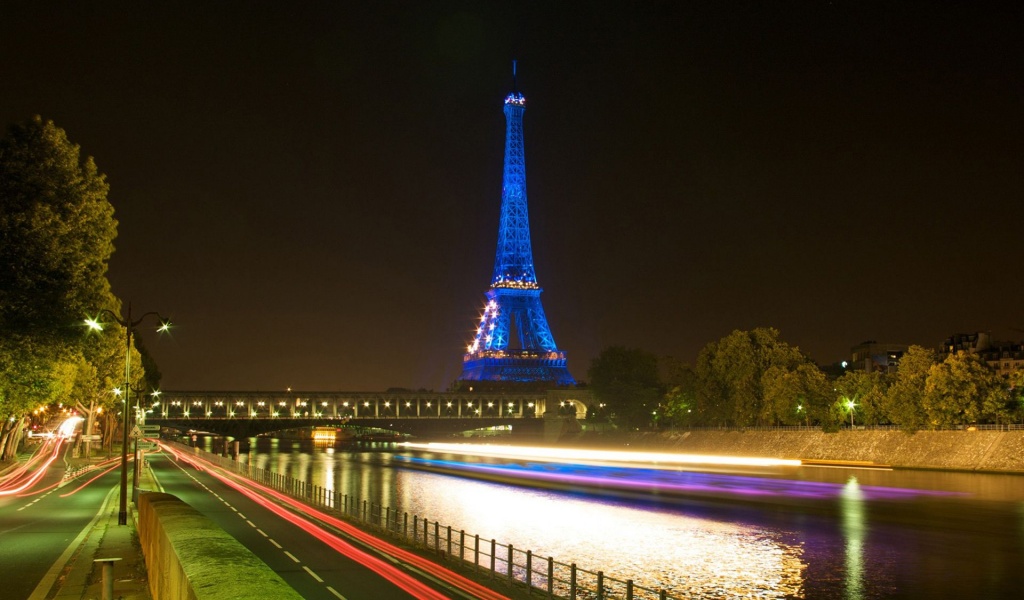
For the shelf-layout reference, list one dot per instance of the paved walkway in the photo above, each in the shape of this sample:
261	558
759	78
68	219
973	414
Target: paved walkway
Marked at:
82	577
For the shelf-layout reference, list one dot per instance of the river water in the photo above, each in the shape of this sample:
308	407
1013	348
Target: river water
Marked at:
803	532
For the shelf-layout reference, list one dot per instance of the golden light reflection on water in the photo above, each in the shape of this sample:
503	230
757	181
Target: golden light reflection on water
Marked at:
851	504
688	556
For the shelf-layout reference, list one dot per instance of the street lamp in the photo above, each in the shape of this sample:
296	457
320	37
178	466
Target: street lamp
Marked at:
850	405
140	419
129	325
800	411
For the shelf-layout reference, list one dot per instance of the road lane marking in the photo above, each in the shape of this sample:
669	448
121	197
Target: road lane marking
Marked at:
241	515
272	541
156	480
315	576
48	581
263	533
335	592
250	523
291	556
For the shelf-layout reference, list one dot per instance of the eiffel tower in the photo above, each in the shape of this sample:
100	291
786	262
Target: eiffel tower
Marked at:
513	302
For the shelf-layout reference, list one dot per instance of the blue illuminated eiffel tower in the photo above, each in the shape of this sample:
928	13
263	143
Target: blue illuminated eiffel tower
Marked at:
513	302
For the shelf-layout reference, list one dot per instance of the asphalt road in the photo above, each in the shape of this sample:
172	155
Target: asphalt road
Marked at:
38	526
297	552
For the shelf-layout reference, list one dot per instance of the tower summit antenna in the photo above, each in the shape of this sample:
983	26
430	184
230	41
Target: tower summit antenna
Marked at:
515	97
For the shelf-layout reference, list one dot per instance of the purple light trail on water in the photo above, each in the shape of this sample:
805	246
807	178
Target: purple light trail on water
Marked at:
678	482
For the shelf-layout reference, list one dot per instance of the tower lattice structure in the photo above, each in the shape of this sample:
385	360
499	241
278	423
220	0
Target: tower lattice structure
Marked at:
513	312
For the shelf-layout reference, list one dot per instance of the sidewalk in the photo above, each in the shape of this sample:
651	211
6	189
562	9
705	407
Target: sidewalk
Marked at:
82	578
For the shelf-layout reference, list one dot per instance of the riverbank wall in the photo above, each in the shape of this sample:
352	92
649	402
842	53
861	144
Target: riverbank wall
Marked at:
997	451
189	557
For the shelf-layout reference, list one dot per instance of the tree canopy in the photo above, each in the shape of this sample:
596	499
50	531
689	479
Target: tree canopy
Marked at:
626	382
57	233
904	400
56	237
732	374
963	389
753	378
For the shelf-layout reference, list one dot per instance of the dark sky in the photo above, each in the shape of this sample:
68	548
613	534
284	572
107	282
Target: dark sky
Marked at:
311	190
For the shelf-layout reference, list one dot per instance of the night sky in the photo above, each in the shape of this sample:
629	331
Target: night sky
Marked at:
311	191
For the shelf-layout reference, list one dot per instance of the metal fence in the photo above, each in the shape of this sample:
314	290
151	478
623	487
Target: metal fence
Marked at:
516	567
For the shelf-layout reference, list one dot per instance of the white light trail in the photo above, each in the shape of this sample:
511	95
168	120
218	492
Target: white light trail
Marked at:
67	428
573	455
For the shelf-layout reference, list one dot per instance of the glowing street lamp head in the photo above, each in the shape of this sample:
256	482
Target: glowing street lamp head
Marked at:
93	324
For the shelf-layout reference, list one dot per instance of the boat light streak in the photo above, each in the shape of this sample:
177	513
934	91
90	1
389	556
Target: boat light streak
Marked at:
645	479
600	456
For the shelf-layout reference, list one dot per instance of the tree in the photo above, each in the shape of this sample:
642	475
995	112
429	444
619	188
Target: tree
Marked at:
866	390
31	375
1015	395
681	398
731	376
56	233
626	381
101	372
794	396
56	238
959	389
904	399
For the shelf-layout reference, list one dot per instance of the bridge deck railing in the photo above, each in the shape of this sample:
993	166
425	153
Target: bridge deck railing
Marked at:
517	567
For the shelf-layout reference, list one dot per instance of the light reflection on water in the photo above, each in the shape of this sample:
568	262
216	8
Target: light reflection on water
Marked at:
859	544
689	555
854	529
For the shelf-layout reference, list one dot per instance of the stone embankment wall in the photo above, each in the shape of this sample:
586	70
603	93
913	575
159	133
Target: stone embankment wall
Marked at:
189	557
960	450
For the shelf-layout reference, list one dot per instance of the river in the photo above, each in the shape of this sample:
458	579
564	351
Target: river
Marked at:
792	532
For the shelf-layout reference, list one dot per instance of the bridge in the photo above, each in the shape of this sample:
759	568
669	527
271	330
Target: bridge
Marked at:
420	414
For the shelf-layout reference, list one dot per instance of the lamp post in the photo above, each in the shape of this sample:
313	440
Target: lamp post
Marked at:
129	325
140	419
850	405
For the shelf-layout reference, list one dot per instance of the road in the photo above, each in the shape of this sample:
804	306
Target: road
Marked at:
320	557
42	523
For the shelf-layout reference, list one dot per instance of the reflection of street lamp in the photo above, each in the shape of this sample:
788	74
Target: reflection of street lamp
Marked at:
129	325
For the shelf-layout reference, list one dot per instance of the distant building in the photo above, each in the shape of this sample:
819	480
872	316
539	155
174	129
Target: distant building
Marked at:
967	342
1004	357
873	356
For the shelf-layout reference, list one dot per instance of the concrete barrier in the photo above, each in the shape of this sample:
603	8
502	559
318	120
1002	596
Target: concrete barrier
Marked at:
189	557
956	450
